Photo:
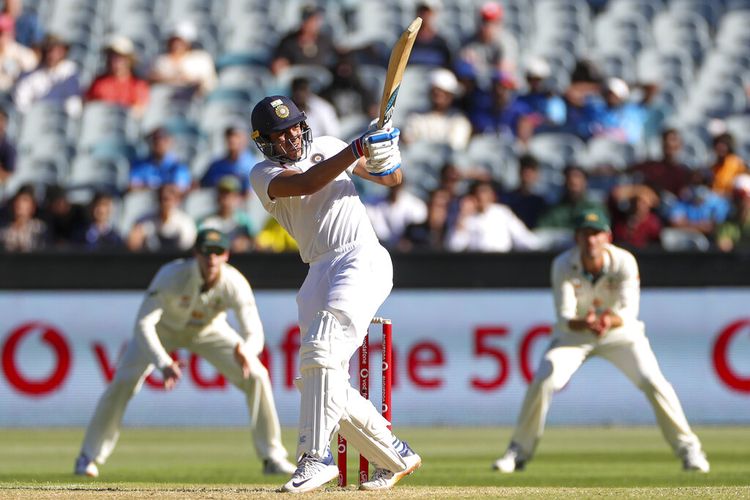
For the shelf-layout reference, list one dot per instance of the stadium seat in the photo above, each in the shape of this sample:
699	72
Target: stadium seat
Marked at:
136	204
94	172
557	150
553	238
200	203
681	240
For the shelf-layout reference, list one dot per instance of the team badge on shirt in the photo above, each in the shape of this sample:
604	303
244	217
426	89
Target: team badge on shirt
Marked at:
317	158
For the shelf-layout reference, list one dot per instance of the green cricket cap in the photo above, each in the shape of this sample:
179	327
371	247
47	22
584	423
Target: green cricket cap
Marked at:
592	218
211	238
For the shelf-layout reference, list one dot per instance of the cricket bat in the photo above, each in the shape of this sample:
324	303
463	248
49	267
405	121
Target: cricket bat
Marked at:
396	66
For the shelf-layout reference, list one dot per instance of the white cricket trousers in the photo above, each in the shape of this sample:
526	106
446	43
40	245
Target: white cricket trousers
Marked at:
351	283
215	344
632	354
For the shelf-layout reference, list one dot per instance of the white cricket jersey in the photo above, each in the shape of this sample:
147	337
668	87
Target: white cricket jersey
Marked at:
322	221
174	299
616	289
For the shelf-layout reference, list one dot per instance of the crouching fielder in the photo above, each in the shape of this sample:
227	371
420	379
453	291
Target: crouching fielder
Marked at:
596	288
185	307
306	185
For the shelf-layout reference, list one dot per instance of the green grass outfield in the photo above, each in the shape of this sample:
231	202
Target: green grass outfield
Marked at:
572	462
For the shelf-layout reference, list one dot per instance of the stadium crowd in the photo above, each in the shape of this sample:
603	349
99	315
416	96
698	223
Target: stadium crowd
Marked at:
502	144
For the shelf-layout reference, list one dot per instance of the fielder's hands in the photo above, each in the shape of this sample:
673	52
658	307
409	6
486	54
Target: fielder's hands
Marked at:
171	375
600	325
242	359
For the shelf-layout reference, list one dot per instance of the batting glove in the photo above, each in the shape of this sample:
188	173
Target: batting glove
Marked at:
385	165
373	140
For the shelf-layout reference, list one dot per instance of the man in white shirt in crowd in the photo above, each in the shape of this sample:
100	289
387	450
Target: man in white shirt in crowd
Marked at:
186	307
391	215
321	115
167	229
483	225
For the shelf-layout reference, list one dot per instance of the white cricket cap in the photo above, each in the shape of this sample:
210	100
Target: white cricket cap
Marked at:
121	44
537	67
185	30
444	79
618	87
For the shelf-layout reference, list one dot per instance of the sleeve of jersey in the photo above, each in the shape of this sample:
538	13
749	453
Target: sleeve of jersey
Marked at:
260	177
564	294
149	315
630	290
251	328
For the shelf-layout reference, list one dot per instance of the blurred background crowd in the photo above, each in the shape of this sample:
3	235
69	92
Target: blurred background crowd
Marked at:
124	123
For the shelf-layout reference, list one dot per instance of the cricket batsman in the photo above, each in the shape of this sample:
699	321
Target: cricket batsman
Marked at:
186	307
596	288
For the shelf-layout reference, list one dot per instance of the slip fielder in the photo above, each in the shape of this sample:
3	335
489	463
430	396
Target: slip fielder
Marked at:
186	307
596	288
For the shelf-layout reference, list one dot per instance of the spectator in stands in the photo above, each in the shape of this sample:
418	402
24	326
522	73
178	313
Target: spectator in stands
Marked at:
237	162
667	175
56	79
634	223
15	58
501	112
547	107
698	208
161	166
184	66
321	115
119	84
490	49
430	234
231	217
727	164
274	238
28	27
100	233
617	118
483	225
397	210
7	150
63	218
430	48
574	199
167	229
525	200
450	181
347	92
442	123
309	44
23	231
734	233
582	99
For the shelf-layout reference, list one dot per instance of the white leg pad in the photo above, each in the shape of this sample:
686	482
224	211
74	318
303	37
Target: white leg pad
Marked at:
324	384
366	429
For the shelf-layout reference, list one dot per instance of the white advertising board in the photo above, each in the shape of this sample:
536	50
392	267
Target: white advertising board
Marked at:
462	357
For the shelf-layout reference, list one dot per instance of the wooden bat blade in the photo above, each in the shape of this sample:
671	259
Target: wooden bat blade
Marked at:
396	66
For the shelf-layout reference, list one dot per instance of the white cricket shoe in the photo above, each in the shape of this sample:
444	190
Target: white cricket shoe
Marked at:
383	479
278	466
510	462
694	459
311	474
85	467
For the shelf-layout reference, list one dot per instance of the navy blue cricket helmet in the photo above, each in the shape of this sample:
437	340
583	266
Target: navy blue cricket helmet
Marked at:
274	114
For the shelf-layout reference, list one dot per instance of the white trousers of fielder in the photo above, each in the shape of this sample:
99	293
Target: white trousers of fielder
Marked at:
628	351
215	343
